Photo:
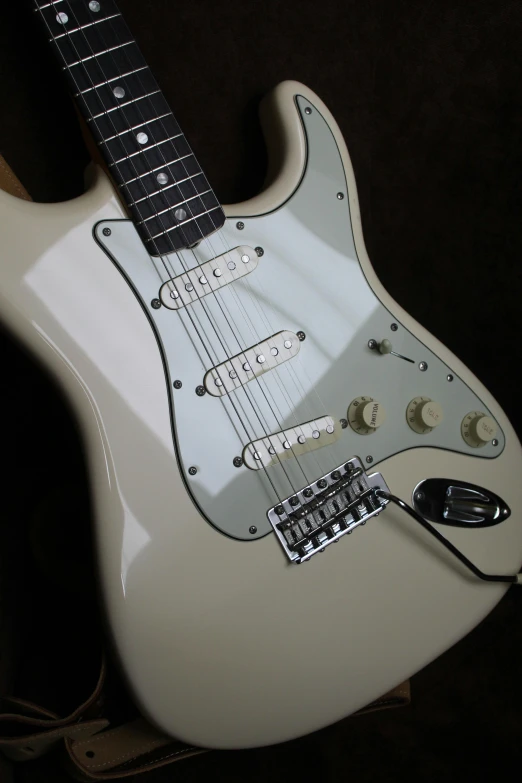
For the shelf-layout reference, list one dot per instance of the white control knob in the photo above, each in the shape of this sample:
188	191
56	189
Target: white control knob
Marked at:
478	429
423	415
365	415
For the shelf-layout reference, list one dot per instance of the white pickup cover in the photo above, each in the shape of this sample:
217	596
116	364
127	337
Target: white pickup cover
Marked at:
291	443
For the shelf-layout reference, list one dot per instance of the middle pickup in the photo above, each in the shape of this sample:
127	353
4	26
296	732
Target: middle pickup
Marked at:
251	363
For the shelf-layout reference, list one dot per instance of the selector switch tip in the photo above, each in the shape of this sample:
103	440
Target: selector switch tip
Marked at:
423	415
385	346
365	415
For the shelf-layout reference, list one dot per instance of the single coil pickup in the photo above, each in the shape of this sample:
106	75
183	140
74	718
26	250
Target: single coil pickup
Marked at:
251	363
292	442
198	282
322	512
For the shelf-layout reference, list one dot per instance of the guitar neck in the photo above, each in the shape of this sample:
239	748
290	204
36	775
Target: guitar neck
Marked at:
150	160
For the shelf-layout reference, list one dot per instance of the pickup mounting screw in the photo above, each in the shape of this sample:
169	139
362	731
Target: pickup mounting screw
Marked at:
301	335
343	423
260	252
279	511
252	529
237	462
369	459
156	304
177	384
394	327
106	232
322	483
192	471
200	391
240	225
308	493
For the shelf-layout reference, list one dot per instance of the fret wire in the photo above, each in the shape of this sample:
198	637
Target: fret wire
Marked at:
98	54
135	127
122	106
158	168
83	27
109	81
173	206
162	190
47	5
182	223
150	147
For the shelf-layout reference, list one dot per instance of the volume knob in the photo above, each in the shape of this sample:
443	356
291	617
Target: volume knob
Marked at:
478	429
365	415
423	415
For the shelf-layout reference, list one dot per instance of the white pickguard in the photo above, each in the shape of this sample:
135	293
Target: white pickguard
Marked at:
308	279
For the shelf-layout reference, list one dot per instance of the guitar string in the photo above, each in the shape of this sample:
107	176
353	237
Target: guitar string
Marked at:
215	294
275	371
40	10
223	341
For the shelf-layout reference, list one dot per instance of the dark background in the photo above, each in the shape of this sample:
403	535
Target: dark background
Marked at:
429	98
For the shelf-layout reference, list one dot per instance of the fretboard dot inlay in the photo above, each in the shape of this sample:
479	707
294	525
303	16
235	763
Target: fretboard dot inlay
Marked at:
62	18
162	178
180	215
119	92
94	6
142	138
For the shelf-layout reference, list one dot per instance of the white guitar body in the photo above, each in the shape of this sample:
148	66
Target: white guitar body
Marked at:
225	642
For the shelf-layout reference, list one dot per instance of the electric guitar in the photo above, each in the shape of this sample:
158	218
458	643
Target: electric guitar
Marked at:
301	496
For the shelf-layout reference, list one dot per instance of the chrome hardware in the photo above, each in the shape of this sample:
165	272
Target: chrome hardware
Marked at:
324	511
457	503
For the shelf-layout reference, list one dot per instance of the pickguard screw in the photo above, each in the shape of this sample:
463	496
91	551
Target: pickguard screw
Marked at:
237	462
240	225
177	384
156	304
252	529
200	391
419	497
279	511
494	442
308	110
301	335
192	471
106	232
423	366
343	423
369	460
372	344
260	252
340	196
394	327
449	377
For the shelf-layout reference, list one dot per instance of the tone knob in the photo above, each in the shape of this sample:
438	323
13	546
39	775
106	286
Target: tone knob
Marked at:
478	429
423	415
365	415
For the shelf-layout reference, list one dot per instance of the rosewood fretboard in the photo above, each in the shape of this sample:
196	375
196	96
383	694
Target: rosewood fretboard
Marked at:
165	190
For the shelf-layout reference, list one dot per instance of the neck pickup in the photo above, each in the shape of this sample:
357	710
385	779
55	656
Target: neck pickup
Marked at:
150	160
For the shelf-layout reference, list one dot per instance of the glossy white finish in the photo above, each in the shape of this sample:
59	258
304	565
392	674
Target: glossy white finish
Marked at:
226	644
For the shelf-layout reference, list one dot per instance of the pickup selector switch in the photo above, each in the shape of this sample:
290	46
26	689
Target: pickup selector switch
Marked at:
423	415
478	429
365	415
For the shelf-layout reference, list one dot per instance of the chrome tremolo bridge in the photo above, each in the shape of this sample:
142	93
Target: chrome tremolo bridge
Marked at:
327	509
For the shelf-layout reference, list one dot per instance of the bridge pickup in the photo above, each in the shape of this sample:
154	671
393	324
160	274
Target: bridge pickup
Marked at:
292	442
324	511
208	277
251	363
